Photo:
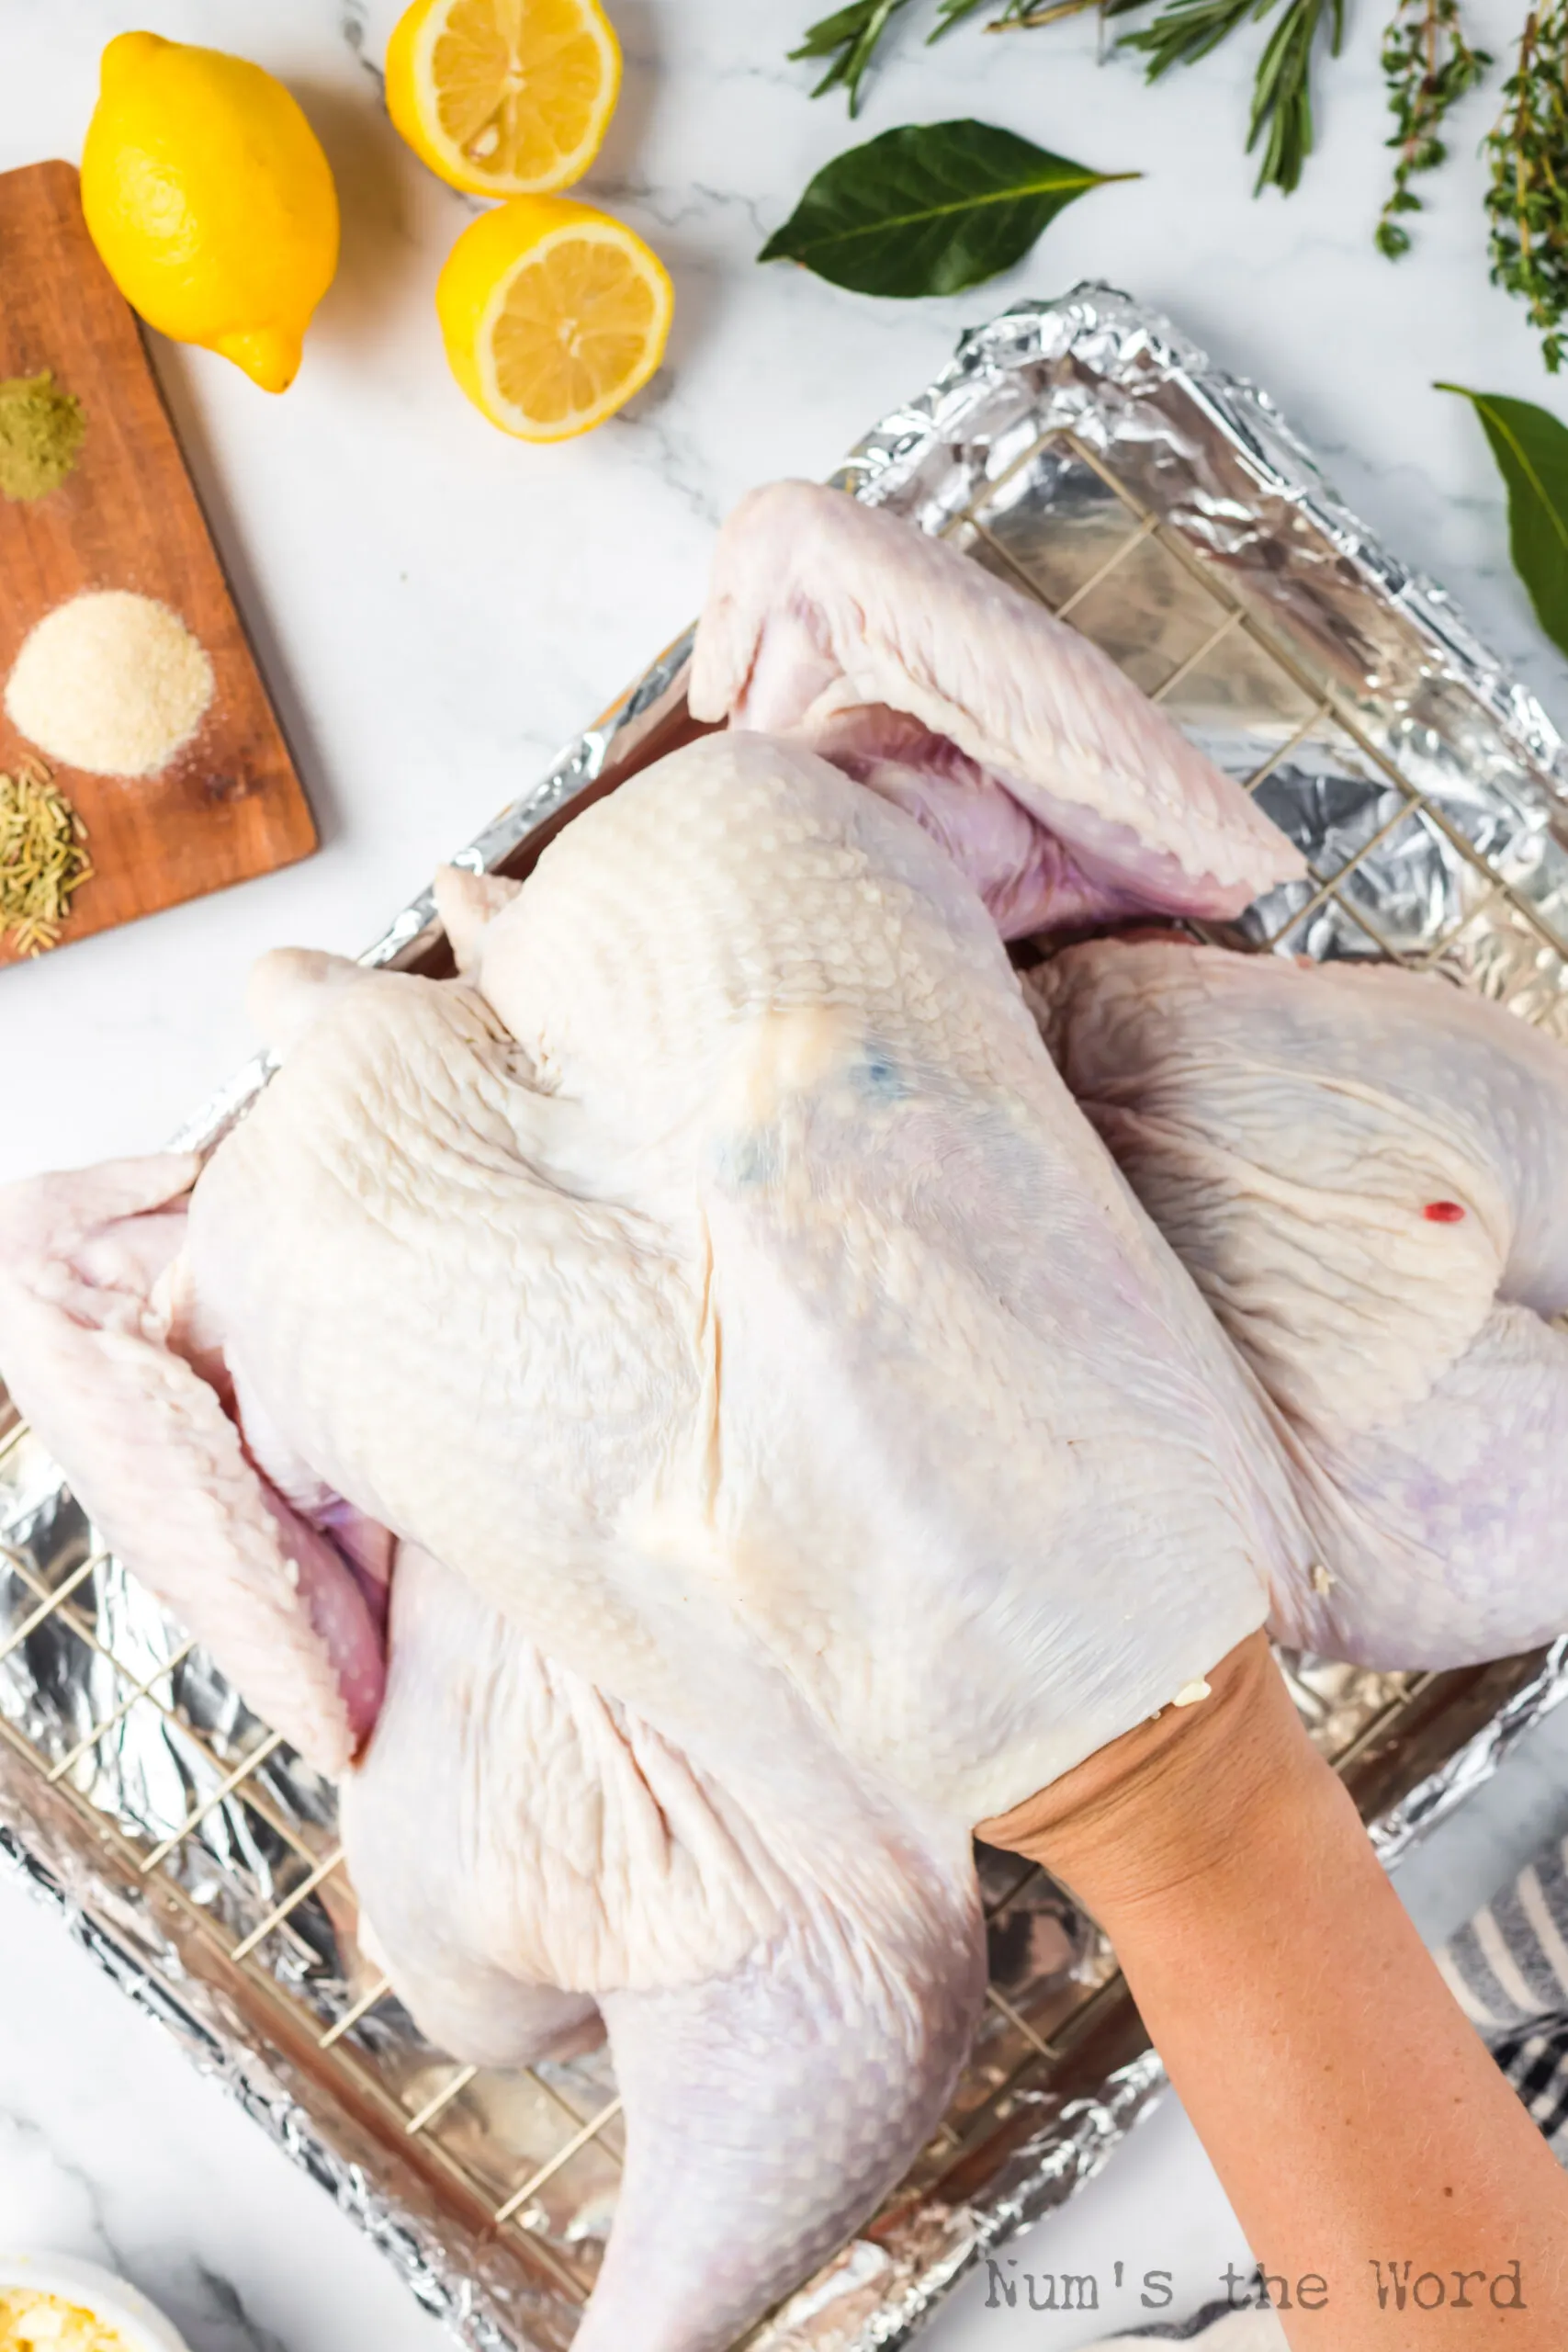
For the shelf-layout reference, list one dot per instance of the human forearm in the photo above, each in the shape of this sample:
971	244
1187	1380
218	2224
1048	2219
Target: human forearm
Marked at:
1351	2112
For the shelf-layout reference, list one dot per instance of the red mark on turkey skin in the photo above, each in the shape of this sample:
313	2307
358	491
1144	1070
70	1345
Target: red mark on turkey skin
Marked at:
1443	1212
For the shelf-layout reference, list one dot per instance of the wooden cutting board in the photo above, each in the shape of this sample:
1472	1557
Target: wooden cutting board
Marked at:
230	804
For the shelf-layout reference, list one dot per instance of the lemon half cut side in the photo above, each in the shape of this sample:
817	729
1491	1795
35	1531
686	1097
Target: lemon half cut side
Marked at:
553	314
505	97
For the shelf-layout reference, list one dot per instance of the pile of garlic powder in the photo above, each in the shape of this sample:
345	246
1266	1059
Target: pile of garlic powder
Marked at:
110	682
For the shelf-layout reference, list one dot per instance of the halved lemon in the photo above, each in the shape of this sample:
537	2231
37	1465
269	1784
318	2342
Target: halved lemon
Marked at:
505	97
554	315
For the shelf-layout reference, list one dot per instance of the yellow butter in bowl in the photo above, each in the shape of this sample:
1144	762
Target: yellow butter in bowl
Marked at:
34	2322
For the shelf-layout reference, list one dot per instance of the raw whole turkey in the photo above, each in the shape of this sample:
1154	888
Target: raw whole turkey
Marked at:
686	1418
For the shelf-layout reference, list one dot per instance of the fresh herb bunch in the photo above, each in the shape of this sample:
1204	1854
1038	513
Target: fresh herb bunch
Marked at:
1527	201
1182	33
1429	67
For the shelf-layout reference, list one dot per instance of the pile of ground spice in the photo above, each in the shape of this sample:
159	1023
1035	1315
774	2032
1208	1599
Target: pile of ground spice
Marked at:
42	857
40	432
110	681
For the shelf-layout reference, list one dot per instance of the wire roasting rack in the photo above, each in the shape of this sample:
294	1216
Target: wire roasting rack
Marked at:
1086	455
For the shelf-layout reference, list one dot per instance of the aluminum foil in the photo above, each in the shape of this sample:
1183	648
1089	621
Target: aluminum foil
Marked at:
1082	449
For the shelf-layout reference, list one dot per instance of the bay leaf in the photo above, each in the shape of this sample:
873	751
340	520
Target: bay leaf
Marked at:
930	209
1532	449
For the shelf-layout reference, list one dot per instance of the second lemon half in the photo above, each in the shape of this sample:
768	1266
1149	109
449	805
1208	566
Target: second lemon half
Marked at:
554	315
505	97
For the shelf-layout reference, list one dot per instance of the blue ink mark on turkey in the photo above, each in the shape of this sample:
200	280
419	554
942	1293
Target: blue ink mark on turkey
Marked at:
880	1080
748	1160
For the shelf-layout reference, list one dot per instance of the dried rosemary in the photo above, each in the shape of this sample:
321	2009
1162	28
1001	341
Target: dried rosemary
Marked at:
1527	202
42	859
1429	67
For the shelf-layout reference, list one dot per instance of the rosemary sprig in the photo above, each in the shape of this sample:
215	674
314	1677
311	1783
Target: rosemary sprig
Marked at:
851	38
1527	202
1186	30
1182	33
1280	120
1429	67
1281	97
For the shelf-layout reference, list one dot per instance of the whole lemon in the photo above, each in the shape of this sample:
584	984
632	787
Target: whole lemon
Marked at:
209	197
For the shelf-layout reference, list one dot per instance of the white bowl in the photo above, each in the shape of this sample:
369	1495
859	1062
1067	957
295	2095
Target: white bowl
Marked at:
109	2299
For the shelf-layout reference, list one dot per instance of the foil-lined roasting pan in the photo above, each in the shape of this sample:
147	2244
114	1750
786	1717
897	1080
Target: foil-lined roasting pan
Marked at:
1083	450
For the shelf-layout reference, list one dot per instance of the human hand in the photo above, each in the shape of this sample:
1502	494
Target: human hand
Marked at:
1157	1811
1360	2127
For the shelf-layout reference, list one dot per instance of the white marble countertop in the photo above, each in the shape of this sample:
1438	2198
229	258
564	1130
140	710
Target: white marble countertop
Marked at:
436	608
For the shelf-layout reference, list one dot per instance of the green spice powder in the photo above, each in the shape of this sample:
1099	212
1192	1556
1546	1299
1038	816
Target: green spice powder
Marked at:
40	432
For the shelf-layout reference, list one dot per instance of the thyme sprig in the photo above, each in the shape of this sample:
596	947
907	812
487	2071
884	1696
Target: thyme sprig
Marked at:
1527	201
1427	65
